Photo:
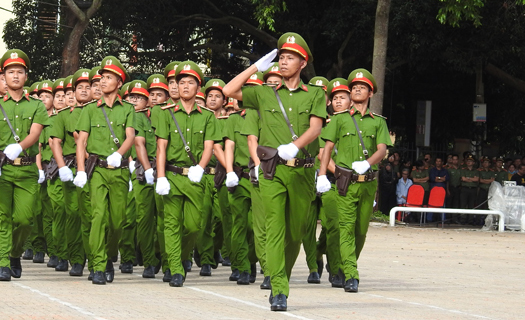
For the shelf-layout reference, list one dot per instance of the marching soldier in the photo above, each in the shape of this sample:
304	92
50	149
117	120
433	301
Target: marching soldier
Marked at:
24	119
180	169
287	180
94	80
353	164
102	126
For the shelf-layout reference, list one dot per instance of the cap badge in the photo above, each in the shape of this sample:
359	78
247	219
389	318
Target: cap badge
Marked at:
62	83
156	80
215	84
319	83
14	55
275	68
359	75
253	77
109	62
138	85
85	74
187	67
337	84
290	39
44	85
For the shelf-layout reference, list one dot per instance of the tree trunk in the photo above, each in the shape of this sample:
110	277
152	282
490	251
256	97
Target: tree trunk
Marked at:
379	56
506	78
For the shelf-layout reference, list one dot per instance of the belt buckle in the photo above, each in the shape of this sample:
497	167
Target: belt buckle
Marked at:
290	163
361	178
110	167
17	162
185	171
212	170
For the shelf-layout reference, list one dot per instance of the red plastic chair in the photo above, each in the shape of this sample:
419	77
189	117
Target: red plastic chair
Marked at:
415	197
437	200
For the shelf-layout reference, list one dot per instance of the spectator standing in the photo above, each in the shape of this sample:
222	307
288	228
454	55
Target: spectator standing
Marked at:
402	187
387	183
439	177
454	182
501	174
519	176
469	186
420	177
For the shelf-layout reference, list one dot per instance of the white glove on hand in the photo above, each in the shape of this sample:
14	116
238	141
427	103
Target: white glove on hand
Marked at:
65	174
130	186
288	151
114	159
149	176
265	62
232	180
195	173
323	184
163	186
81	179
12	151
360	166
257	173
0	172
41	176
131	166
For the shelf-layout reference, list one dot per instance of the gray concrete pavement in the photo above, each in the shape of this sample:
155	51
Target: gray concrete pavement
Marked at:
406	273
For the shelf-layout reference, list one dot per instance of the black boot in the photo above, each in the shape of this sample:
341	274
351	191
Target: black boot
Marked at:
314	278
167	276
235	275
91	274
320	265
337	280
205	270
98	278
149	272
351	285
197	258
244	278
110	271
5	274
187	265
38	257
62	265
226	262
127	267
218	259
16	267
279	303
253	273
28	254
266	284
53	262
77	270
177	280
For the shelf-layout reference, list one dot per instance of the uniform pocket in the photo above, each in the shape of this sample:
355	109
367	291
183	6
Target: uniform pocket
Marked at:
273	117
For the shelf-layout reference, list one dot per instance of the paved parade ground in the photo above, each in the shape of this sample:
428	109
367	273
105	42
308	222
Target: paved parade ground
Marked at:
406	273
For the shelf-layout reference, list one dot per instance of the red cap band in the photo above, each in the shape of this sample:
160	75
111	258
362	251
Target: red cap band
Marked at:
113	68
295	48
10	61
141	91
365	80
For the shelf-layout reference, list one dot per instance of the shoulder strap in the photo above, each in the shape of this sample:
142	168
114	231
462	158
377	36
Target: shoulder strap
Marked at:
294	136
186	146
15	136
365	152
115	139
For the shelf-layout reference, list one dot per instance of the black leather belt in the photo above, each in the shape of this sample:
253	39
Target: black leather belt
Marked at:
21	161
296	162
180	170
369	176
209	170
104	164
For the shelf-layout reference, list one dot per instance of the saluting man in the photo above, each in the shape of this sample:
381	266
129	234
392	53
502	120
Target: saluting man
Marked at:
102	126
185	138
288	194
352	165
19	173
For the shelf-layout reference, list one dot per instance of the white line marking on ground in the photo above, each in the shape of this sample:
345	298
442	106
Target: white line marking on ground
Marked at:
67	304
251	304
430	306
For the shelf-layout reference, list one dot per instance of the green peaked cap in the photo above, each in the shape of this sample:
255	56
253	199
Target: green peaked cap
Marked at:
319	81
294	42
112	64
189	68
46	85
15	57
170	70
337	84
58	84
93	74
364	76
157	81
80	75
138	87
214	84
124	90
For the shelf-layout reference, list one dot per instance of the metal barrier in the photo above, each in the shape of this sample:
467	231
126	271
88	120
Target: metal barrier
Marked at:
501	223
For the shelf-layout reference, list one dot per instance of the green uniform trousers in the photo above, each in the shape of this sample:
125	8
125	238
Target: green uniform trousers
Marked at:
204	242
129	229
37	238
226	222
75	245
18	187
58	204
242	253
287	200
161	242
330	223
109	191
354	217
309	240
259	227
145	217
85	212
182	219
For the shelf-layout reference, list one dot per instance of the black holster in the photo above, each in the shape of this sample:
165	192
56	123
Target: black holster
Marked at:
220	176
269	160
51	169
3	157
91	163
253	175
342	179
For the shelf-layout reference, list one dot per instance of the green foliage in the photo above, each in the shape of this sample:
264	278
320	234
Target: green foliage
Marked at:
265	11
455	11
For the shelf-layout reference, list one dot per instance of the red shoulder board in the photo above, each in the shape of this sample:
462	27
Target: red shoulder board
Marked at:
176	108
198	109
352	111
305	88
5	98
243	113
370	113
99	102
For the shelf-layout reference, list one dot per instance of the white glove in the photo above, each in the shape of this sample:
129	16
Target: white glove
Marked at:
0	172
131	166
114	159
195	173
163	186
323	184
360	166
65	174
81	179
288	151
231	179
265	62
41	176
149	176
12	151
257	173
130	186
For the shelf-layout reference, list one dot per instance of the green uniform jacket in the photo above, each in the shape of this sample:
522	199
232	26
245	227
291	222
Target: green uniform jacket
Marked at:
342	132
455	176
63	129
197	127
45	150
421	174
144	129
22	114
486	174
92	121
232	130
251	125
300	104
469	174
